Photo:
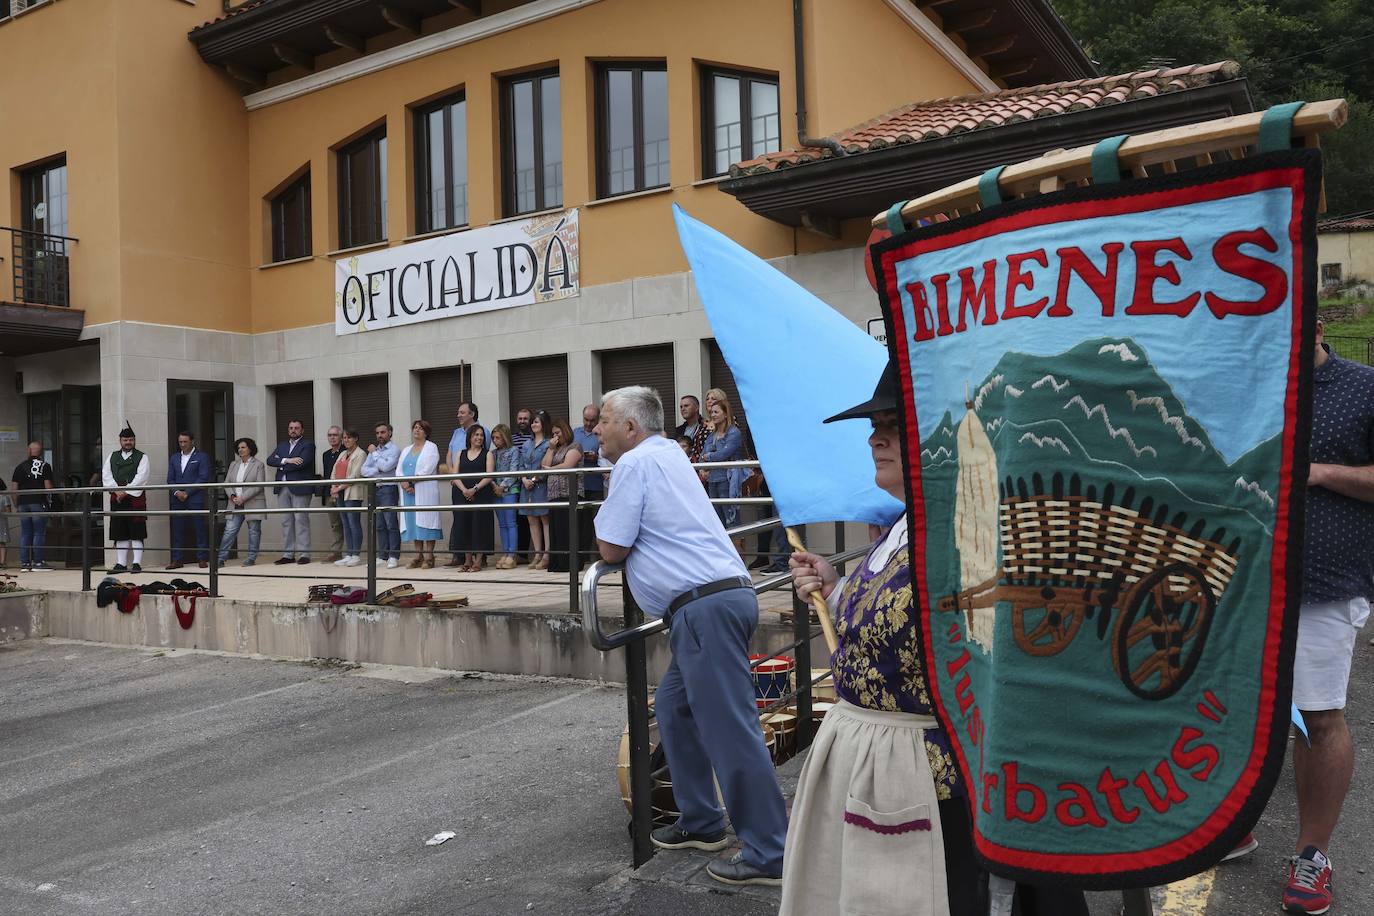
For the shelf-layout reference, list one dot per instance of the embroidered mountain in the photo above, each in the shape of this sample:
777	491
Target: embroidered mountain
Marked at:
1127	421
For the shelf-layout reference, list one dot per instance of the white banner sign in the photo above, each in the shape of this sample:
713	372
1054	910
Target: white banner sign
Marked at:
495	267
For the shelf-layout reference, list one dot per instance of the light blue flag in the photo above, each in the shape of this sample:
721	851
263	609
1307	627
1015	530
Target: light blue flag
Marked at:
1298	721
796	361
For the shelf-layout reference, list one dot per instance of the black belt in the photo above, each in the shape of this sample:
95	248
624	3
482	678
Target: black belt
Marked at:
701	591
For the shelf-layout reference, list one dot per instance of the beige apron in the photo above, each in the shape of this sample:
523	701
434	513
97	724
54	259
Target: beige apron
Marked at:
864	837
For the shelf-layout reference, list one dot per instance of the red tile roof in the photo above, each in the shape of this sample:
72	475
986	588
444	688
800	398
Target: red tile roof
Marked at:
1347	224
930	120
241	8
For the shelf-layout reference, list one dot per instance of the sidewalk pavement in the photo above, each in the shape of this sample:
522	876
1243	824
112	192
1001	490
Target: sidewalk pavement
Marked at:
516	590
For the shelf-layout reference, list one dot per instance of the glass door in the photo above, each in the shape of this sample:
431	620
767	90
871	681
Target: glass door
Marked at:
204	410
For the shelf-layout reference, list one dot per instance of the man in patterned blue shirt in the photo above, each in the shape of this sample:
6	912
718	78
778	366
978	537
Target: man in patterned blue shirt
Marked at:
1338	583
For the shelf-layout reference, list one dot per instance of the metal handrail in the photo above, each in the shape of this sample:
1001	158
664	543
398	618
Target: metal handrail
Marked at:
591	581
92	507
381	481
49	235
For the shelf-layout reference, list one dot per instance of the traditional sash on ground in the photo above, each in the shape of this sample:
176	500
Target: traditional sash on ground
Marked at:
1107	394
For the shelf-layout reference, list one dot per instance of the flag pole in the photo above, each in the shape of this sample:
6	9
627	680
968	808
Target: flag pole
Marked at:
817	600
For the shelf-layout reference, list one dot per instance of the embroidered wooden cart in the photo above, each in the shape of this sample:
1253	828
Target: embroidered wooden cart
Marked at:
1070	556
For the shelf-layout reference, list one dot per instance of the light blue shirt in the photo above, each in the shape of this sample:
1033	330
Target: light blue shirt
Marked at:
588	442
458	441
658	508
382	462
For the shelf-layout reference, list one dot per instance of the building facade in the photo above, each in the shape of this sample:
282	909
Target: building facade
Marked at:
214	206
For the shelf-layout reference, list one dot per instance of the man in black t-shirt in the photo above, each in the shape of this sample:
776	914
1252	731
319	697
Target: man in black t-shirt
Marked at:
32	474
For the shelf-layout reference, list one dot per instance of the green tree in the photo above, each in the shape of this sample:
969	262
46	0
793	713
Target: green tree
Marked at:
1288	49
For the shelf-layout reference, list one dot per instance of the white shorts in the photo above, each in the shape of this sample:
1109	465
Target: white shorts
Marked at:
1326	644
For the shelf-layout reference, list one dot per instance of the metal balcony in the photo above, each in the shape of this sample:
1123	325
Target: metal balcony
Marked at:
41	268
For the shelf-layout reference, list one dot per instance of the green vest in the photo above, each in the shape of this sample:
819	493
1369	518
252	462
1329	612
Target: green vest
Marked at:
123	469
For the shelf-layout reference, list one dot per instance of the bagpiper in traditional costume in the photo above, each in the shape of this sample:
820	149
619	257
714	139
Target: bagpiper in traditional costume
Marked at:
127	469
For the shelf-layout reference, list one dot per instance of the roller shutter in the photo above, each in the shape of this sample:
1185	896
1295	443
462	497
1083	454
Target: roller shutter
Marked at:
294	402
724	379
366	402
651	366
539	384
441	391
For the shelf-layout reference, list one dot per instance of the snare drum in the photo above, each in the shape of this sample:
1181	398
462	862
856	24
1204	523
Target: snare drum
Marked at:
772	678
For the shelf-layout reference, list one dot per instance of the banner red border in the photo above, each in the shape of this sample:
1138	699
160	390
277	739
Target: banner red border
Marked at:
1243	803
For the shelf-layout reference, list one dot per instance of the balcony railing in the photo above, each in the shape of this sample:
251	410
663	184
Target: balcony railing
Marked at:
41	268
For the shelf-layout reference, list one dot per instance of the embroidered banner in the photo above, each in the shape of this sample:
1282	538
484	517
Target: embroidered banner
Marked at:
1106	407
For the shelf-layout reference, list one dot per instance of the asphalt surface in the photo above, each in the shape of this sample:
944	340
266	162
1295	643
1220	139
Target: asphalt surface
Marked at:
133	781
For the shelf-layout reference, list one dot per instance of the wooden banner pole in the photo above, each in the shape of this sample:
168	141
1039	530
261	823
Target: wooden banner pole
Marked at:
1162	148
817	601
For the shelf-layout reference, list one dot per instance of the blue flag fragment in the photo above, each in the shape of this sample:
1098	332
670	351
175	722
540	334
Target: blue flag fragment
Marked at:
1298	721
796	361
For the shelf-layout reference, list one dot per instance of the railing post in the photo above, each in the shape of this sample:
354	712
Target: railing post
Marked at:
211	515
372	554
574	546
1137	902
801	634
86	542
637	701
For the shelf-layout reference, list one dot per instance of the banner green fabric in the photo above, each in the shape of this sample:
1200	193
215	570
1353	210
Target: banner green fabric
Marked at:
1107	395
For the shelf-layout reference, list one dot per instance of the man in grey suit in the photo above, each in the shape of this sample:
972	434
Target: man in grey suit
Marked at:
294	460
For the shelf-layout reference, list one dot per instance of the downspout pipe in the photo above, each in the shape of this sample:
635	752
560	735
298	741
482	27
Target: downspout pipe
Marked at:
799	57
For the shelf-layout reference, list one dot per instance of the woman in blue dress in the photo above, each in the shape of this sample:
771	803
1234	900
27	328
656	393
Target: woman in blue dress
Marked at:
536	489
725	443
419	459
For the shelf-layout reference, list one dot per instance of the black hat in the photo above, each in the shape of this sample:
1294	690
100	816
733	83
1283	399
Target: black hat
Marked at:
884	398
127	431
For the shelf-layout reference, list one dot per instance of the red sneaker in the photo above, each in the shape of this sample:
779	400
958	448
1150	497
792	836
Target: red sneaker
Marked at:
1309	883
1243	848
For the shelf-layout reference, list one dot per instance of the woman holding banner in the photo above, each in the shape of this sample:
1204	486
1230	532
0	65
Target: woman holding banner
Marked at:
881	817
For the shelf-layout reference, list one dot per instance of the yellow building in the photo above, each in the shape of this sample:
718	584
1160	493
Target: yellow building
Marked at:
348	211
1345	252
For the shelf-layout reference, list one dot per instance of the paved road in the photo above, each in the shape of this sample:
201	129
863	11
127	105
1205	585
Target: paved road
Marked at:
137	782
132	782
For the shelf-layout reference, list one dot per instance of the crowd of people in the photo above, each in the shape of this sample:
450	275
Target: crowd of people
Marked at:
520	526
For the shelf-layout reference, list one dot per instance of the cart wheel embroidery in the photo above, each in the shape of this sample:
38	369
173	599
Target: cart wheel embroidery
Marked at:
1159	638
1046	627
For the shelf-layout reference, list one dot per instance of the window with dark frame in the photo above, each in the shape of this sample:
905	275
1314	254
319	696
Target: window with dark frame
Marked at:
631	127
740	118
362	191
1331	274
531	143
441	165
43	197
291	221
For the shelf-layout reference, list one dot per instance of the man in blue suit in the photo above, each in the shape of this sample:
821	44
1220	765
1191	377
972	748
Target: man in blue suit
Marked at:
188	465
294	459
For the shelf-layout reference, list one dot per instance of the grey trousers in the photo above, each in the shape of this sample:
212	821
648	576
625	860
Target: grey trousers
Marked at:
336	528
295	527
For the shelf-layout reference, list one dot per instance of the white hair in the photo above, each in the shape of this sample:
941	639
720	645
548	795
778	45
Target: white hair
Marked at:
638	403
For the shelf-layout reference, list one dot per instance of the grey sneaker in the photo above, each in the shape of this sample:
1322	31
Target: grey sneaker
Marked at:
248	562
735	870
674	837
42	567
